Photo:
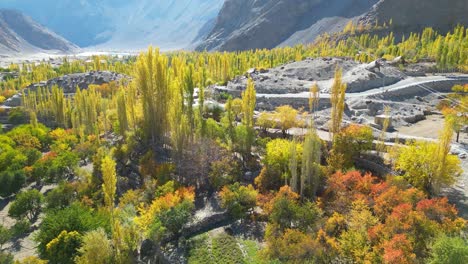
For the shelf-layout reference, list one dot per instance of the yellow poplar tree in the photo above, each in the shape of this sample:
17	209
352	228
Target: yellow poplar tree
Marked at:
337	98
109	177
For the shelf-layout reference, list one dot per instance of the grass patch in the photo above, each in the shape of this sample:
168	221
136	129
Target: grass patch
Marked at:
222	248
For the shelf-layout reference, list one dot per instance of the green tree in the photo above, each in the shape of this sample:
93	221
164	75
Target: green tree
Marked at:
27	204
223	172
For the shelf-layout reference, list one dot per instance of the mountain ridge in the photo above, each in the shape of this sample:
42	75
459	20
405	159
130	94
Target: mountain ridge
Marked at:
253	24
123	24
19	33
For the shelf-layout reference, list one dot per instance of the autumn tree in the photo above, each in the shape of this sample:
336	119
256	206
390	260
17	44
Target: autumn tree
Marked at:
109	181
293	167
429	166
249	101
266	120
287	117
310	169
314	99
383	134
122	113
63	248
354	242
337	99
152	80
352	141
277	161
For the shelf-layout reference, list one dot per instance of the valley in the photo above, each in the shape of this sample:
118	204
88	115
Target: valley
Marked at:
233	131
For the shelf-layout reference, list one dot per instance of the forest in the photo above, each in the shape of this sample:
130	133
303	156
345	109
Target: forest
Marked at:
128	163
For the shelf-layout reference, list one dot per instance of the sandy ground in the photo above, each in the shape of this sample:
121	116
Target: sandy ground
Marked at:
428	128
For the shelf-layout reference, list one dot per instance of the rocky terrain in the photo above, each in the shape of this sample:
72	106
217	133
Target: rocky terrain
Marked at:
370	89
69	83
297	77
251	24
20	34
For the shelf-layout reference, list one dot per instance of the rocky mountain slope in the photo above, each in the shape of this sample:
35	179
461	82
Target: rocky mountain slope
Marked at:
123	24
414	15
21	34
250	24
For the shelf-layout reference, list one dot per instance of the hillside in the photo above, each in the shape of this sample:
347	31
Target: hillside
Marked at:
111	24
21	34
251	24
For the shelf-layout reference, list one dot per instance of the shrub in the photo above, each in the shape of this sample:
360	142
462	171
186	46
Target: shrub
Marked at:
238	200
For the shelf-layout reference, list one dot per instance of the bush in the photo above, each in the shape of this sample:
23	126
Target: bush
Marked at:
176	217
96	248
17	116
63	248
223	172
447	250
238	200
60	197
5	236
73	218
6	258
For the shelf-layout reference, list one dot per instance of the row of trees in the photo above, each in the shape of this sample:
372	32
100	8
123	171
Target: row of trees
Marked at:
447	50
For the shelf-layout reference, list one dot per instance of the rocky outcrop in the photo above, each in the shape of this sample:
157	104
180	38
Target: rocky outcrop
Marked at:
20	34
252	24
82	80
298	77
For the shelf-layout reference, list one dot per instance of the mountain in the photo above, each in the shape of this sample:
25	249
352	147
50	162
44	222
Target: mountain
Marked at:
414	15
251	24
124	24
21	34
